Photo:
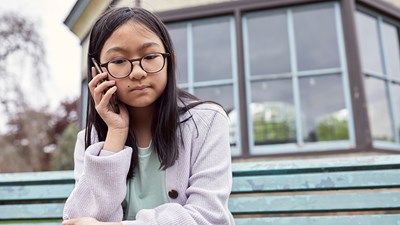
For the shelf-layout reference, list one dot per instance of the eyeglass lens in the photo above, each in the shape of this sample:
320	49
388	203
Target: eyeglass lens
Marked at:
150	63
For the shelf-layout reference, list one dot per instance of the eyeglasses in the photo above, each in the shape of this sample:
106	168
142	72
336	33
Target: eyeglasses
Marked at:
122	67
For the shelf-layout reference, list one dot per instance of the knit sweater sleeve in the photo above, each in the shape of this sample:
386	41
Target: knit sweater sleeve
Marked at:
209	183
100	184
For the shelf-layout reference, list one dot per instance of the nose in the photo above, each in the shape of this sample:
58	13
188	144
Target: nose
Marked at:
137	72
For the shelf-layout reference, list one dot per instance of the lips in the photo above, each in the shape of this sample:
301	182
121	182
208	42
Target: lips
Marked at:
140	88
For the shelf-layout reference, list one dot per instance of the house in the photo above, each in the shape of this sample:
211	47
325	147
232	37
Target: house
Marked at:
298	78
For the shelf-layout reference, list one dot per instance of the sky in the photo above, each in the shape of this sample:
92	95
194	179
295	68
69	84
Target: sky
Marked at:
62	46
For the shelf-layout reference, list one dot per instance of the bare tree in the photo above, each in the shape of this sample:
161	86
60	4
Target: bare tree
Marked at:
22	49
21	46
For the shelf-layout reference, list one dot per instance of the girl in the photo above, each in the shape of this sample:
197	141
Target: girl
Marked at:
162	156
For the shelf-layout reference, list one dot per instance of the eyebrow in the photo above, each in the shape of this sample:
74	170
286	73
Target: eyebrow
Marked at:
140	49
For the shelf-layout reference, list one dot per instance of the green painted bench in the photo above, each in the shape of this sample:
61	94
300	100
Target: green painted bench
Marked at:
362	190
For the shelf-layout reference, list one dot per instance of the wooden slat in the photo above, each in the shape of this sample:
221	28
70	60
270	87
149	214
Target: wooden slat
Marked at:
53	176
31	211
315	203
323	220
301	165
35	192
317	181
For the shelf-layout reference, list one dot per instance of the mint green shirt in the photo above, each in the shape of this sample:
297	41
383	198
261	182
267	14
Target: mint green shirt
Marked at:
147	189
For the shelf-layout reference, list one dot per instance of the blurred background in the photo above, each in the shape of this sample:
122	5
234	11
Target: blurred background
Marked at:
39	85
298	78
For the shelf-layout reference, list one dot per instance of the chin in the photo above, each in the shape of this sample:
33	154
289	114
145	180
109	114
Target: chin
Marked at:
141	104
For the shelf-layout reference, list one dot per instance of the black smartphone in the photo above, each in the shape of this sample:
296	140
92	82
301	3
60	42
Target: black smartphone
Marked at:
113	100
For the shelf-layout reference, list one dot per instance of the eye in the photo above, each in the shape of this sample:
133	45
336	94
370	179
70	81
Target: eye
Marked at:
151	56
118	61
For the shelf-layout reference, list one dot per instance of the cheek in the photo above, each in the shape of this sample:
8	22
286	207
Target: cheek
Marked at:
163	82
120	88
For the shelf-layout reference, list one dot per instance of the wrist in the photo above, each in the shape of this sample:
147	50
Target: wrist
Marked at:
115	140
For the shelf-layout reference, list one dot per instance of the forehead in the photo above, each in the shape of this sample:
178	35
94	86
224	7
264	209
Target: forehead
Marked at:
132	36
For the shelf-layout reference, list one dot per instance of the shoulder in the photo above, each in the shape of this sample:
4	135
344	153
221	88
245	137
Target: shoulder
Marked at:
204	115
203	109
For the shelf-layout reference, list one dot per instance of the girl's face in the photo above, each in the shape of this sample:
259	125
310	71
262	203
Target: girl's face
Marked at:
132	41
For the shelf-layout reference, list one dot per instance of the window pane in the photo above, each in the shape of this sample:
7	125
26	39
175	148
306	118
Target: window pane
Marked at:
212	50
391	45
268	43
324	115
178	34
222	95
273	112
378	109
315	34
367	31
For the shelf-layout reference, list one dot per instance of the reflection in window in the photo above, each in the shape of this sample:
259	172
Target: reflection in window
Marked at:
378	109
367	31
323	108
178	34
381	65
273	37
392	49
212	50
273	112
316	49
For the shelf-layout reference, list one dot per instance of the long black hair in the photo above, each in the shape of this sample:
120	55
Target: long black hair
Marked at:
166	119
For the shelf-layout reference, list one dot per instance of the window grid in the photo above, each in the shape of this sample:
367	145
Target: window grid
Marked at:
388	84
294	74
191	85
387	79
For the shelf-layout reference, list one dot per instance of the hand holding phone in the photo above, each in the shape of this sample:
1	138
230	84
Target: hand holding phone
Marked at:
113	101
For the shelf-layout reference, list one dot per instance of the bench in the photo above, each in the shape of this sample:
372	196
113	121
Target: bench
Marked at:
362	190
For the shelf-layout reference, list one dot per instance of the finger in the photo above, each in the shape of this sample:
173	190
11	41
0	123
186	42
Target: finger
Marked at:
97	78
104	104
96	81
99	85
102	87
94	71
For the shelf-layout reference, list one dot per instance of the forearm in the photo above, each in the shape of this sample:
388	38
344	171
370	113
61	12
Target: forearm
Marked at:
101	187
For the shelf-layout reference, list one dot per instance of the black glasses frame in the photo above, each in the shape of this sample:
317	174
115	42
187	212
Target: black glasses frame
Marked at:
165	55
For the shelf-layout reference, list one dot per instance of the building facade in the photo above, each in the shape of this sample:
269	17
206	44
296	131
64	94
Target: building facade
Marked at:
298	78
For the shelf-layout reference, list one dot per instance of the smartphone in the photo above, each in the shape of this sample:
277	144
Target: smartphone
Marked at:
113	100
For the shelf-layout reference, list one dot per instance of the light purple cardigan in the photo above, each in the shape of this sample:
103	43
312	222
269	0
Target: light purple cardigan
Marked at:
201	176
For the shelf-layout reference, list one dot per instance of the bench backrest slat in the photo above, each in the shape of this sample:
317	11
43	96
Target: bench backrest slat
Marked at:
317	181
35	192
35	177
323	220
315	203
31	211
